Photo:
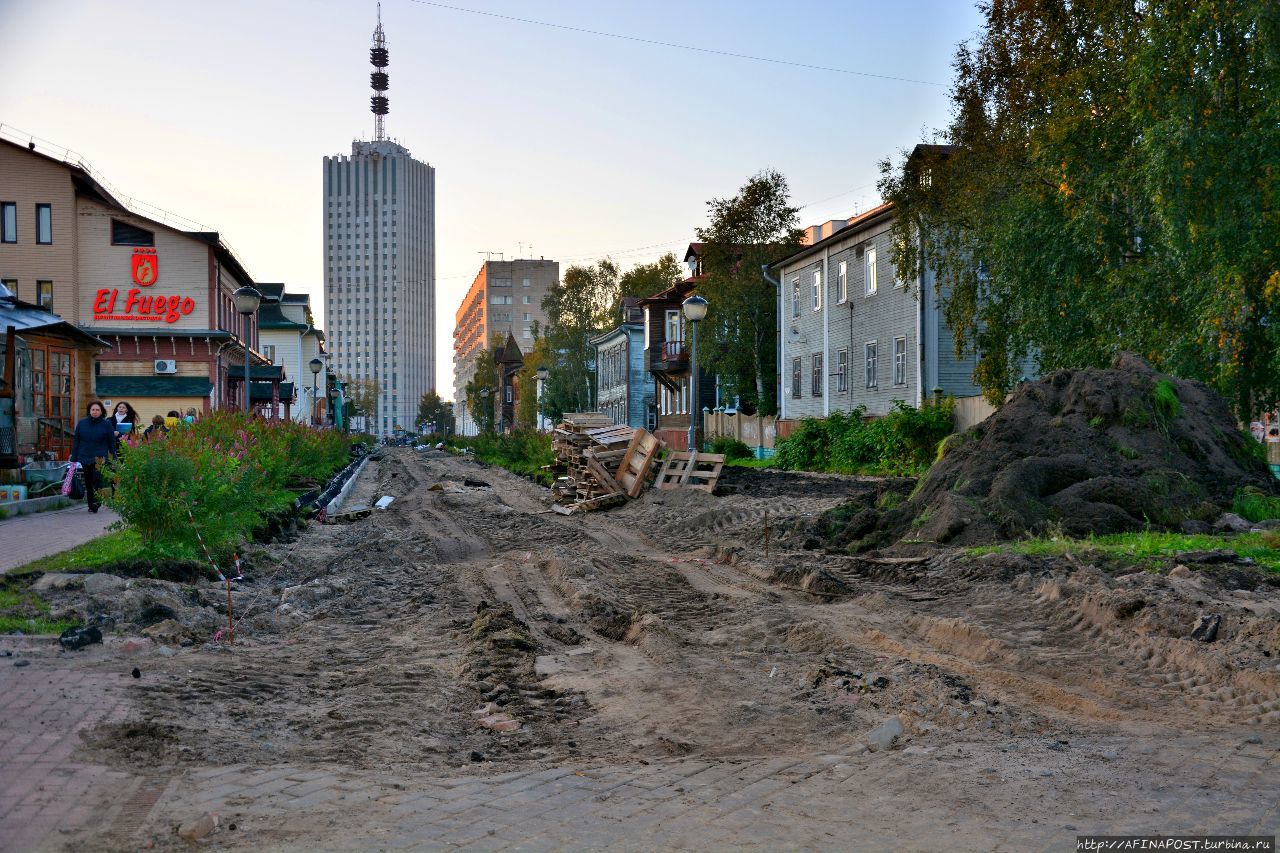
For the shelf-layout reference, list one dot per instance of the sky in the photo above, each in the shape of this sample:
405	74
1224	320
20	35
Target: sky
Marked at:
547	142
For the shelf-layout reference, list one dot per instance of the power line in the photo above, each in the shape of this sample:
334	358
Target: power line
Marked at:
678	46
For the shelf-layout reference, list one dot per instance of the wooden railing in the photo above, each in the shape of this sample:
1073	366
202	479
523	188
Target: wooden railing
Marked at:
674	351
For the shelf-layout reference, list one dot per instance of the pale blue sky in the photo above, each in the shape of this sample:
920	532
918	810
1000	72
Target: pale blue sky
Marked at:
574	144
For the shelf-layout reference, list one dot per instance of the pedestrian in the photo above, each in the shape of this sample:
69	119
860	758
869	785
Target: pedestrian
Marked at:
172	419
93	443
126	419
157	428
191	415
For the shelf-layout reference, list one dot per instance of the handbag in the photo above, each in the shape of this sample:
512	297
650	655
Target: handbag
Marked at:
67	481
76	491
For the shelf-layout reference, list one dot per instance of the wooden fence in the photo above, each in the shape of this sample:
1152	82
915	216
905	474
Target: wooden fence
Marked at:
754	431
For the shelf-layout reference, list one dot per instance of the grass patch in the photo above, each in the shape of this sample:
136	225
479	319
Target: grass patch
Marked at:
34	625
23	610
1145	547
1255	506
749	463
92	555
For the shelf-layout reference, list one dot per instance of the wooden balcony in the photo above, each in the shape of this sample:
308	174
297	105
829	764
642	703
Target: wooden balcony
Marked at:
671	357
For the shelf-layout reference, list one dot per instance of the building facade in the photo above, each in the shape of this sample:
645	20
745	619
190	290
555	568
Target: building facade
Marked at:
624	386
505	299
380	269
854	333
291	340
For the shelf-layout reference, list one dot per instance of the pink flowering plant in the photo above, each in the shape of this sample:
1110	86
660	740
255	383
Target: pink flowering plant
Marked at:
226	472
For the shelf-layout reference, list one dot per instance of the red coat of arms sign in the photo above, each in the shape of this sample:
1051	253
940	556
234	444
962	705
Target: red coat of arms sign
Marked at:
146	267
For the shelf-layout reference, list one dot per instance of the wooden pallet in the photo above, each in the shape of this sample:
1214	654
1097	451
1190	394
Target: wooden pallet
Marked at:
684	470
638	458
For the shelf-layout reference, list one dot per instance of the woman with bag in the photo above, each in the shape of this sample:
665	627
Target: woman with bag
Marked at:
94	442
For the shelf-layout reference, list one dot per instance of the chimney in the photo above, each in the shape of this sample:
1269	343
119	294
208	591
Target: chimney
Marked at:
831	226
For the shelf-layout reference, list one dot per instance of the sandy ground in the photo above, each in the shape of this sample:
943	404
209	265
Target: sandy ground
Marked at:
663	629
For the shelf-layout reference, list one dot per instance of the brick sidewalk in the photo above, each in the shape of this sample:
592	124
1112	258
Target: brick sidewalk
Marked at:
29	537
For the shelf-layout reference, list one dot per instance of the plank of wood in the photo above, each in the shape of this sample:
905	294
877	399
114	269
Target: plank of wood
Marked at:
603	477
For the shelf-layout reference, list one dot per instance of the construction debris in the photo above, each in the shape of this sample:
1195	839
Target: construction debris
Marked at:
691	471
600	463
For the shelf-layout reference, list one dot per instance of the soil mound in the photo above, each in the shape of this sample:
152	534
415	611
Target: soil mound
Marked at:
1076	452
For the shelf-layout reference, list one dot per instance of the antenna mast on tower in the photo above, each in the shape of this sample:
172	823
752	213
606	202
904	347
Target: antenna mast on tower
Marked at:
379	57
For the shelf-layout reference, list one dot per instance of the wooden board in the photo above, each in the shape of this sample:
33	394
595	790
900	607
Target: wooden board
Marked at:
602	476
633	472
684	470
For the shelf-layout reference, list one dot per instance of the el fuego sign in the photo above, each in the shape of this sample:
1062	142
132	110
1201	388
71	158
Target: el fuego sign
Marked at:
154	308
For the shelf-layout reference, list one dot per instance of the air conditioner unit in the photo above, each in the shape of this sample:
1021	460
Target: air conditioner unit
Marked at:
166	365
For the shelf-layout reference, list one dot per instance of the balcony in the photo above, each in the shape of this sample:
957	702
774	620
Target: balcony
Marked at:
672	357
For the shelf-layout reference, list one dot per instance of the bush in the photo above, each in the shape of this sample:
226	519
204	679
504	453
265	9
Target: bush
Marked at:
228	472
1253	505
731	447
522	452
905	440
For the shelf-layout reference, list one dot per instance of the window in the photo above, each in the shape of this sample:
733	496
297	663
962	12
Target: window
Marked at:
44	295
527	300
675	326
842	370
842	282
795	296
509	389
870	260
269	351
500	299
124	234
8	222
528	332
873	364
524	282
44	224
795	377
11	285
817	290
501	282
899	361
816	384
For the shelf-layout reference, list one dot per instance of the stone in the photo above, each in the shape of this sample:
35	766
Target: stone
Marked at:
1195	527
1206	631
167	631
1179	571
1229	521
883	736
58	580
499	723
1253	739
167	651
22	662
201	827
101	584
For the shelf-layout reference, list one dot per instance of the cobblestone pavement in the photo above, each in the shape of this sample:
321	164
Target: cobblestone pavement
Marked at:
29	537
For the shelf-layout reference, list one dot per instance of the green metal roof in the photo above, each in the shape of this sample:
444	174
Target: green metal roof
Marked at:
261	391
153	386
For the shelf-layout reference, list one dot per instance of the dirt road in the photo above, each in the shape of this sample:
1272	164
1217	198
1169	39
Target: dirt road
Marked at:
1025	689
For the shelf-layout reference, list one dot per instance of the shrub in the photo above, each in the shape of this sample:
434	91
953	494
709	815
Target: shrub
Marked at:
731	447
1253	505
905	440
522	452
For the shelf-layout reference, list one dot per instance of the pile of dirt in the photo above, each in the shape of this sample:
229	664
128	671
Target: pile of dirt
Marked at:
1078	452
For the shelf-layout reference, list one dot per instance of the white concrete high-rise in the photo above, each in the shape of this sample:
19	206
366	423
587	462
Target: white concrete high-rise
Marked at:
380	266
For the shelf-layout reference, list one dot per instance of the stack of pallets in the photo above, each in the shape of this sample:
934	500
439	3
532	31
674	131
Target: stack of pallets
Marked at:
600	463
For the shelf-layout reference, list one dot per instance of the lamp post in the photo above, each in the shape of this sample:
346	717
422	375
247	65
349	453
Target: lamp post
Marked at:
484	395
316	366
695	308
339	407
542	373
246	300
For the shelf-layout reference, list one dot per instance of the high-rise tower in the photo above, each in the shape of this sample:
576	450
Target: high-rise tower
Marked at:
380	263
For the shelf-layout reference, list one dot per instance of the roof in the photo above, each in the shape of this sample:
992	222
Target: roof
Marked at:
272	316
693	252
270	289
262	391
620	329
25	317
873	215
510	352
217	334
153	386
257	371
675	293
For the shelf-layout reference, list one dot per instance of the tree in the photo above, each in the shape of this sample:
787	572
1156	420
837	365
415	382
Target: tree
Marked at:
1111	183
577	308
527	404
738	341
644	280
363	394
434	411
483	387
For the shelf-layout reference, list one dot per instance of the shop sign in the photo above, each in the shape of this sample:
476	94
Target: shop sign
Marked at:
135	305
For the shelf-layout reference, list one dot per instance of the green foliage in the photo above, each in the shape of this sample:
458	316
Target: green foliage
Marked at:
1127	452
482	388
904	441
527	403
1110	184
1165	402
227	471
738	341
21	609
522	452
647	279
1097	421
363	395
433	410
731	447
1252	504
1145	548
114	547
582	304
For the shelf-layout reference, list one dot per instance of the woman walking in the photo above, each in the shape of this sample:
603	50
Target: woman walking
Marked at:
93	443
125	414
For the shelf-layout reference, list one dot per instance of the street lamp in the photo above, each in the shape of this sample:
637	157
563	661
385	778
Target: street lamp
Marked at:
246	300
695	308
542	373
316	366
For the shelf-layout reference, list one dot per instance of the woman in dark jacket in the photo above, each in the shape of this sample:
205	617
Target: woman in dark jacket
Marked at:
125	414
94	442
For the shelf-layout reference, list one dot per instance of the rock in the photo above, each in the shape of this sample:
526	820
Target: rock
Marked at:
167	651
77	638
1219	555
22	662
1195	527
499	723
1267	524
477	756
58	580
1110	755
1253	739
1207	630
201	827
167	631
1179	571
137	673
100	584
883	735
1230	522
